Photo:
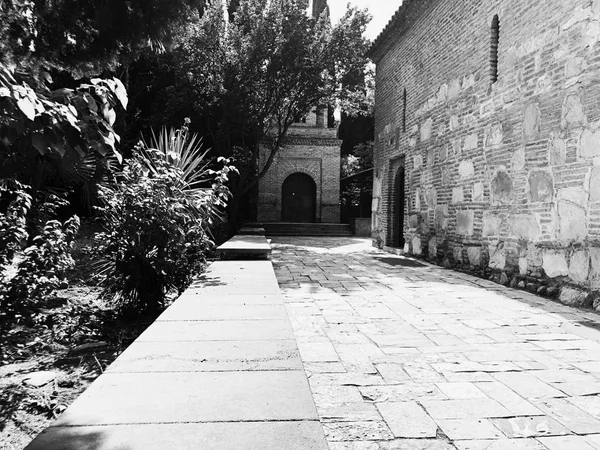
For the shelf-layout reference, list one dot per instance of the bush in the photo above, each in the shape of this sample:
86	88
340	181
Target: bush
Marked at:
158	216
40	268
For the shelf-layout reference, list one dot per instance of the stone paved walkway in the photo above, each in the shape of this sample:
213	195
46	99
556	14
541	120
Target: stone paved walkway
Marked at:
408	356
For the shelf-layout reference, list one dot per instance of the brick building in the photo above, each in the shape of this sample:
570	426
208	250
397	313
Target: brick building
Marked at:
487	154
303	182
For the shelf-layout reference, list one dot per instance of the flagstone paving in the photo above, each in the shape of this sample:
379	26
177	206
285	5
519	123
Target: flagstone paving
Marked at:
402	355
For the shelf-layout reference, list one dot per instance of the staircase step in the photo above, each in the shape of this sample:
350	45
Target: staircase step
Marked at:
307	229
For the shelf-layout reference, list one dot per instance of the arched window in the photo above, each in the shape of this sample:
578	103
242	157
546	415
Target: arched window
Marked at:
495	39
404	111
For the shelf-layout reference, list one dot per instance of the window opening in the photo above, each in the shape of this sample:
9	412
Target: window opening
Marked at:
495	39
404	111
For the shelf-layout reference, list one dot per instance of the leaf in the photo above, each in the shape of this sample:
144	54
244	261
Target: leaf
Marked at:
27	108
40	142
121	92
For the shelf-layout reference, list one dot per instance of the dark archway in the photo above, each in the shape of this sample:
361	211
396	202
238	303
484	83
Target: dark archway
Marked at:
299	199
398	202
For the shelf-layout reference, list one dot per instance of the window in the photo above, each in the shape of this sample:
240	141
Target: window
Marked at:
495	39
404	111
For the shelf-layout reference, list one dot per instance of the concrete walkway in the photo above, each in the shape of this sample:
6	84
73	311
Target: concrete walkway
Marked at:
219	370
408	356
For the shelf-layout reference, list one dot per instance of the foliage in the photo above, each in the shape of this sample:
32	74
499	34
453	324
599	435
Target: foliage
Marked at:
42	265
13	229
357	183
86	37
252	77
158	214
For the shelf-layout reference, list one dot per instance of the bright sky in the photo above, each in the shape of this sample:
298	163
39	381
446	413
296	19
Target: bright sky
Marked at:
381	10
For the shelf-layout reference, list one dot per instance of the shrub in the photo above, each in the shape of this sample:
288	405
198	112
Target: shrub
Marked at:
40	268
158	216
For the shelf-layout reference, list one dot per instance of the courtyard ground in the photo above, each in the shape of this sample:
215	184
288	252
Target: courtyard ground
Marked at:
405	355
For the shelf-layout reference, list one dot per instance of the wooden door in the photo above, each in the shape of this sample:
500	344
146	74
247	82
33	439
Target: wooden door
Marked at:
299	199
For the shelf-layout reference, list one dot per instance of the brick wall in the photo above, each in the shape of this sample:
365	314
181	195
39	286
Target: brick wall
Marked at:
314	152
502	179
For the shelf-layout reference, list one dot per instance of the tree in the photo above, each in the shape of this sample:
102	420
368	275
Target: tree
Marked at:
254	76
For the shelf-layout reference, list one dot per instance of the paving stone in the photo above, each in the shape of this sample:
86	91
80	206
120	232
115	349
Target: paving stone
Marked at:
187	311
205	436
401	393
416	444
534	426
231	330
566	443
358	445
407	420
515	404
357	431
500	444
204	356
459	390
124	398
469	429
317	352
589	404
478	408
569	415
528	385
348	412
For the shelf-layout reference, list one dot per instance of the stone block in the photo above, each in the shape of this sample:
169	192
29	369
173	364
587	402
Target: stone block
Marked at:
531	121
458	195
478	192
456	146
431	197
497	256
494	135
417	162
474	254
445	176
454	123
457	253
426	129
407	420
432	247
454	88
413	221
579	266
502	187
517	162
466	169
541	186
491	224
417	198
595	267
557	151
442	95
416	245
523	266
572	112
470	142
575	194
555	264
572	296
589	144
465	221
424	222
572	221
524	226
430	157
595	185
441	218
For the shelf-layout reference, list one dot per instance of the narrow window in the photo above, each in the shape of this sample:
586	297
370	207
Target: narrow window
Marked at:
494	49
404	111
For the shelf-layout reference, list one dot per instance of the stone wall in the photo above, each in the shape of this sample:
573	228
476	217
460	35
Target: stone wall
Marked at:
503	178
312	151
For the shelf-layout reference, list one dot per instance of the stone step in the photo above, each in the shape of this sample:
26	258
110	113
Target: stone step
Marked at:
307	229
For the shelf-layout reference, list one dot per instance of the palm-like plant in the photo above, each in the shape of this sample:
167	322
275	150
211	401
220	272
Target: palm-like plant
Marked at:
158	214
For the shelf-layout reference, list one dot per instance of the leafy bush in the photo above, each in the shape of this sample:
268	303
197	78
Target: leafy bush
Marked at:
158	215
41	266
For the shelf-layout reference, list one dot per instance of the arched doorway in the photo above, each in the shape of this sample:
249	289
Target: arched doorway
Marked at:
398	208
299	199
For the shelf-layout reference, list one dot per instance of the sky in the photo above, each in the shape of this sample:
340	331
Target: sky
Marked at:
381	10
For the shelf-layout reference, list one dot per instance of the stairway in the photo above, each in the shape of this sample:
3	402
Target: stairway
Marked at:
307	229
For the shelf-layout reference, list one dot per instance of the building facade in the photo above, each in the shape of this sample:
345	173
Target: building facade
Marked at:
303	183
487	154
